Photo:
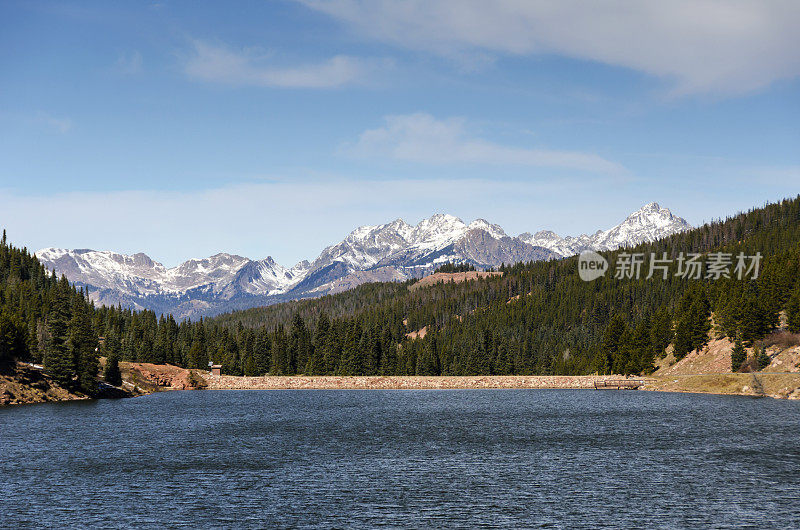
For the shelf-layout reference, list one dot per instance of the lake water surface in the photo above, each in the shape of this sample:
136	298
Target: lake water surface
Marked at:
421	458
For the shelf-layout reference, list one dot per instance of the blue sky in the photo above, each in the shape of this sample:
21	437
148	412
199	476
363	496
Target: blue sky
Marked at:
183	129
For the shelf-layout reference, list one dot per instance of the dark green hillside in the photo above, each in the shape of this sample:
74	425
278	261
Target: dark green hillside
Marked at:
559	322
538	318
44	319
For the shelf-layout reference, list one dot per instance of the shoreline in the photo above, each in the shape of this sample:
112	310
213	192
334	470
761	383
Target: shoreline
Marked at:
401	382
774	385
148	378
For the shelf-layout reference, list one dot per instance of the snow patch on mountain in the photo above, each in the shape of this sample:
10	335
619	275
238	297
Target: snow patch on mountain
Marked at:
648	223
139	275
391	251
496	231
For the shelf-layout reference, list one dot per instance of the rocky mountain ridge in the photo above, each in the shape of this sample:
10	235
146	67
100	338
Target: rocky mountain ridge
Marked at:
393	251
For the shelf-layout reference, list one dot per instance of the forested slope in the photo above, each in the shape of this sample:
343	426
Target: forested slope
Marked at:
537	318
542	318
45	319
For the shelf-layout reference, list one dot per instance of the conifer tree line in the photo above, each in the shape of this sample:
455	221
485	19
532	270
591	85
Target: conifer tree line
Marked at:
455	267
537	318
45	319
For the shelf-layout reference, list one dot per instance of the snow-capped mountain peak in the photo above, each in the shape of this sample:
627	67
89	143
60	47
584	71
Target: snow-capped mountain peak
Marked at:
103	267
437	229
365	246
648	223
386	252
496	231
138	275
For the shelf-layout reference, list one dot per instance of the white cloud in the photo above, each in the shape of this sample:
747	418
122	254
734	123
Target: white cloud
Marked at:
422	138
220	64
129	63
60	125
702	46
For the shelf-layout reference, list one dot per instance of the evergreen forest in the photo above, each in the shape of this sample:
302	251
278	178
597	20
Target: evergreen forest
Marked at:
537	318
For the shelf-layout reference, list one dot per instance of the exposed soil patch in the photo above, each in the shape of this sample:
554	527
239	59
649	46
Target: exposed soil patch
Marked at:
781	386
155	377
22	383
713	358
787	360
419	334
447	277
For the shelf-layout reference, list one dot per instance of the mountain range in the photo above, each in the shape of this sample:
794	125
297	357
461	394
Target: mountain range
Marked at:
390	252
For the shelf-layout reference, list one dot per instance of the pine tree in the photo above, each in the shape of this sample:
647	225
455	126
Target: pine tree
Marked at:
661	332
316	363
762	358
623	359
607	357
58	361
261	352
388	364
691	331
352	358
112	374
82	345
427	360
163	342
642	352
278	361
112	345
196	355
13	344
738	354
793	312
299	346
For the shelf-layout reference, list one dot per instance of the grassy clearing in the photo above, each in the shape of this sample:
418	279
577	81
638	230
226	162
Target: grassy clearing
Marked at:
774	385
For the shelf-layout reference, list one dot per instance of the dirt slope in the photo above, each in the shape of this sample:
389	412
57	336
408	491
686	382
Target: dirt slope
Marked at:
23	383
713	358
156	377
448	277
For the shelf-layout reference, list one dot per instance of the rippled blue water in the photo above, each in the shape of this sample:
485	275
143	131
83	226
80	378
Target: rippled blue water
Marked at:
467	458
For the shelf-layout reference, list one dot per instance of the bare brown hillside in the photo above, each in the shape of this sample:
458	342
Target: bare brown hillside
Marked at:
446	277
25	383
715	358
154	377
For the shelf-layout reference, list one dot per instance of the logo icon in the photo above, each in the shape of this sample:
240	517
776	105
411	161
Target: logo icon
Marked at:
591	265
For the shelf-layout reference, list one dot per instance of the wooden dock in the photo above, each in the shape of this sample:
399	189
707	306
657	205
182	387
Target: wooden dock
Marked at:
619	384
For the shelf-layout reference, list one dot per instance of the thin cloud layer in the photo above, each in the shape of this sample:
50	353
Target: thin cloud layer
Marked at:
422	138
129	63
294	219
219	64
253	220
701	46
57	124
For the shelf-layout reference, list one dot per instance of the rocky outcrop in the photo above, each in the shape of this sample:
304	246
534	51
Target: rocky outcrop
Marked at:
24	383
157	377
